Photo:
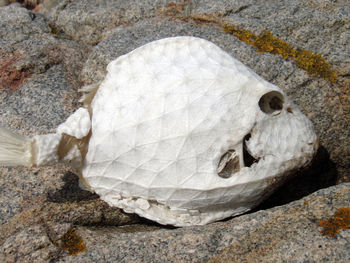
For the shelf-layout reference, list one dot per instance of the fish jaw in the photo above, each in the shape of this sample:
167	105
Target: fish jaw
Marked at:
288	137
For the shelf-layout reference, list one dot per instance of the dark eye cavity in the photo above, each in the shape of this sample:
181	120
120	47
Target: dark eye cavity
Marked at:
271	103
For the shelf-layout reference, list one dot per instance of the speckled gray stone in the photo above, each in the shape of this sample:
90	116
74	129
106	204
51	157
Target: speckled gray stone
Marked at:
38	90
288	233
86	21
38	83
4	2
45	68
43	61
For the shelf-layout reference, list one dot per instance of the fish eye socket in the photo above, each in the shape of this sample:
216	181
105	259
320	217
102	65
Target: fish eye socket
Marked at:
271	103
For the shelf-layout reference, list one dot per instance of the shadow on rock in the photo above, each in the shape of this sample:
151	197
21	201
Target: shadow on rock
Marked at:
70	192
320	174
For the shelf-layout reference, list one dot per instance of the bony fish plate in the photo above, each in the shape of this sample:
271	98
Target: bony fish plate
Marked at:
178	132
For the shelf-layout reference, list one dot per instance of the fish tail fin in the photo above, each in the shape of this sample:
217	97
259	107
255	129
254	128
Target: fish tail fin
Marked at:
14	149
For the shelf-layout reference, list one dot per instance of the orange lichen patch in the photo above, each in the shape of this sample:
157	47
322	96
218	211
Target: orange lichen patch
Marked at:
339	221
10	77
72	242
265	42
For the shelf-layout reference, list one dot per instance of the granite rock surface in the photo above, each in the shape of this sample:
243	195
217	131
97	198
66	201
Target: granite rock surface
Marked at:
37	92
289	233
49	52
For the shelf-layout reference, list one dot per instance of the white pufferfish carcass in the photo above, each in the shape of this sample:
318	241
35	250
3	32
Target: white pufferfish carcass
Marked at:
178	132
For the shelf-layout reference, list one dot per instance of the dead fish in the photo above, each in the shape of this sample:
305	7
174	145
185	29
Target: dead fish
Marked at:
178	132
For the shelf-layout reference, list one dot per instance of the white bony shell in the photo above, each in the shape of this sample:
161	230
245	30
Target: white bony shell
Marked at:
178	132
77	125
171	115
45	148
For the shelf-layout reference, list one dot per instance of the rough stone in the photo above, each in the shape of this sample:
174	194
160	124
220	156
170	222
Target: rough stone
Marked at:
39	82
39	72
46	56
30	4
4	2
90	212
87	21
285	233
279	234
39	249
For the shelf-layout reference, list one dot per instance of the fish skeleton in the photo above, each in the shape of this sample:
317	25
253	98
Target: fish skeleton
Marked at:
178	132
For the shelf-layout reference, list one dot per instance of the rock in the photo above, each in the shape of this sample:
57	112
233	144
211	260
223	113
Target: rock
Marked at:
30	4
38	68
79	213
4	2
286	233
45	56
86	21
38	82
39	247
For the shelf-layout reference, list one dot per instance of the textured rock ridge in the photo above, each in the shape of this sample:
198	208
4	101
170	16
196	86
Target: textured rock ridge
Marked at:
48	52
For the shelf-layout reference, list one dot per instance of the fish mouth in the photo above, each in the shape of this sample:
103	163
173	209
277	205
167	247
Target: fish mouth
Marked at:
248	159
234	160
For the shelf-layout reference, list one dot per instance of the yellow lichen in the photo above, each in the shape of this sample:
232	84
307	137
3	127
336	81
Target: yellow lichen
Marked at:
315	64
339	221
72	242
265	42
